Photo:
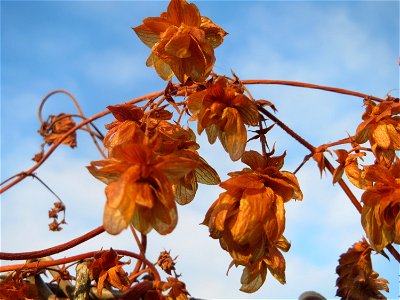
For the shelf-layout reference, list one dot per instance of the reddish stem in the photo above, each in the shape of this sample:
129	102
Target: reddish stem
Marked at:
52	250
344	187
287	129
79	257
313	86
394	252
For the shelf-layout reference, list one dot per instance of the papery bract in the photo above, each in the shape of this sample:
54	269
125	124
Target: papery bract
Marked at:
223	112
381	211
381	126
249	218
182	42
139	189
357	280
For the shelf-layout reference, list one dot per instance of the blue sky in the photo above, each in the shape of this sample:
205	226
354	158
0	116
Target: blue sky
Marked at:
89	49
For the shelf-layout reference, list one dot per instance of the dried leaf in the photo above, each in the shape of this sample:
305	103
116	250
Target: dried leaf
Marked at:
319	157
56	127
263	103
125	112
15	287
337	174
106	268
166	262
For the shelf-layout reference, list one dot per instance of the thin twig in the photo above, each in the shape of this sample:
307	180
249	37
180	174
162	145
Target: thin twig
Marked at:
79	257
287	129
135	275
52	250
46	186
305	160
314	86
98	133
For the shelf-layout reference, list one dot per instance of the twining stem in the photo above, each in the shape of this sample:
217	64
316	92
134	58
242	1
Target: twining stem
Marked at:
142	247
52	250
78	107
313	86
21	176
328	165
135	275
46	186
97	132
56	262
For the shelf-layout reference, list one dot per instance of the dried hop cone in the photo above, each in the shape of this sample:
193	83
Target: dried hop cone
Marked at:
182	42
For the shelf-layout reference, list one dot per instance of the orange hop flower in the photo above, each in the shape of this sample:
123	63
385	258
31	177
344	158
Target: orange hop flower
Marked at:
357	280
139	187
182	42
223	112
107	269
381	211
182	142
130	126
249	218
381	126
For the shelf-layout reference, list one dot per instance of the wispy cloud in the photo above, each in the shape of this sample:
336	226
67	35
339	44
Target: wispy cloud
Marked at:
322	43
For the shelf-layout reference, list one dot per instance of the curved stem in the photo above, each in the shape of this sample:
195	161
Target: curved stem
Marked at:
45	264
98	133
23	175
142	244
314	86
52	250
78	107
46	186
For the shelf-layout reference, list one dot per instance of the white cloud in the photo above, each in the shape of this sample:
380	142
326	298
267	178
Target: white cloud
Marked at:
320	228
